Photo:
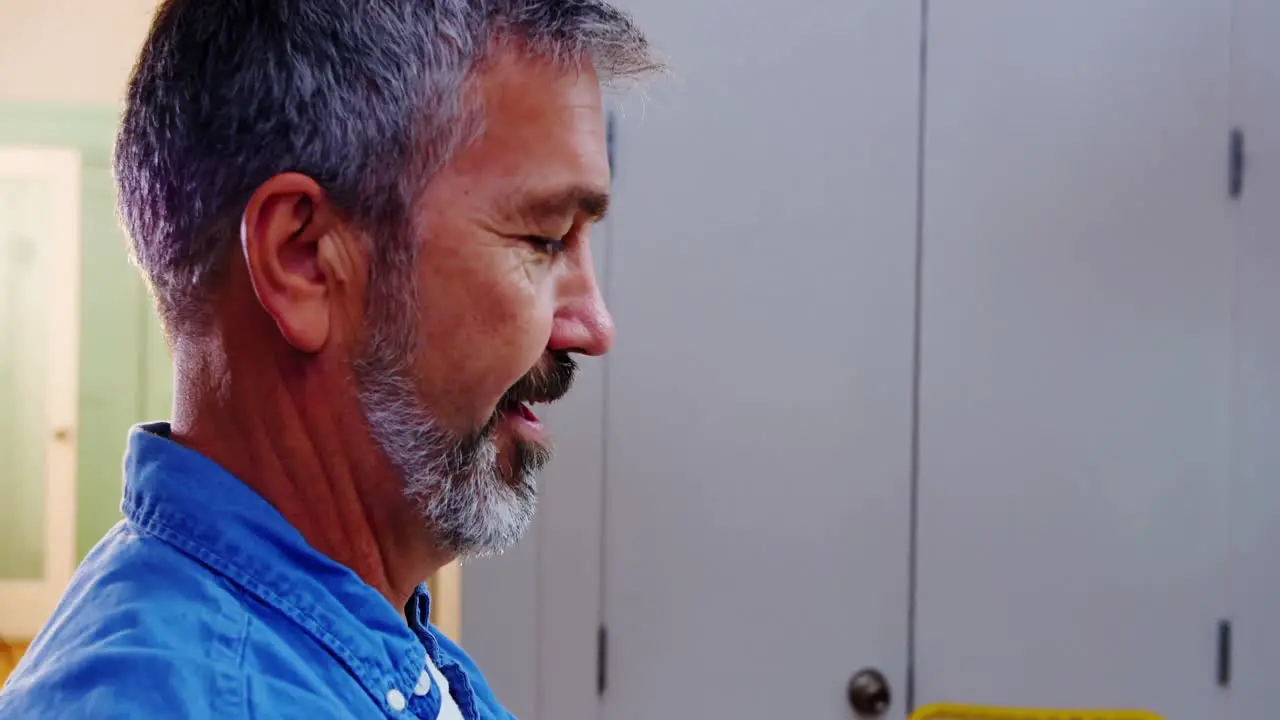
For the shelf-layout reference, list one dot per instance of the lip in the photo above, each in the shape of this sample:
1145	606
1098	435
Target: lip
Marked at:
526	412
524	422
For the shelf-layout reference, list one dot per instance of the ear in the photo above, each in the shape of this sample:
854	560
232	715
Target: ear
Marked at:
287	225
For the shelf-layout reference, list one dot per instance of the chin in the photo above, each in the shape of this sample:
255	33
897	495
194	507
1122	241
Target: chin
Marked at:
484	504
475	492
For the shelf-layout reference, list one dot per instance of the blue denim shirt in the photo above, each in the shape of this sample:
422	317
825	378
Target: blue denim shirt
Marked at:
204	603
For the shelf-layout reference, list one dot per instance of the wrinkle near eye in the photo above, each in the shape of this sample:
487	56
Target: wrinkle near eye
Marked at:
527	267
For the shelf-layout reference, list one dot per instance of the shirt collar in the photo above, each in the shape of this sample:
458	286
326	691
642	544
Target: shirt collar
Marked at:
190	502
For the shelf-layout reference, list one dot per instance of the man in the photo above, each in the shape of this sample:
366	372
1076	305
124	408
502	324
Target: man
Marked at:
365	224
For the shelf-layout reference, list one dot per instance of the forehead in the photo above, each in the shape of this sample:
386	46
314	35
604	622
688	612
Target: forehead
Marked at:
543	127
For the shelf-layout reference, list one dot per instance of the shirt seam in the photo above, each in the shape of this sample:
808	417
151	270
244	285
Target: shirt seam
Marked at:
236	693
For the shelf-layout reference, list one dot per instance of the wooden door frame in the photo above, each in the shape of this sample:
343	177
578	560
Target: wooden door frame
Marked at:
446	600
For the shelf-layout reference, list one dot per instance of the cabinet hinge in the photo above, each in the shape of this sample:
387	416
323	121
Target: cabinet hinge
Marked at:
602	658
1235	164
1224	653
611	141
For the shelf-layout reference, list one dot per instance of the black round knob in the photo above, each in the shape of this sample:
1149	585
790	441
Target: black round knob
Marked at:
868	693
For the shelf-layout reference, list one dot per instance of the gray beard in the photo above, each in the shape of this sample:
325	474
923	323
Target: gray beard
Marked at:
457	484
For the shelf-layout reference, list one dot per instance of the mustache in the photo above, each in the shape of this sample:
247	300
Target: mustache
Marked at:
547	382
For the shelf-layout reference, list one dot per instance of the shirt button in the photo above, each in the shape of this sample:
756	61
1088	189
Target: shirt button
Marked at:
396	700
424	684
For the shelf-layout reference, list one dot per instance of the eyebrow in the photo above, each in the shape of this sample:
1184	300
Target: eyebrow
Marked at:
563	203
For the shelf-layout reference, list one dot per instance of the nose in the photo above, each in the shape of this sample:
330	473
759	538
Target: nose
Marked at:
582	323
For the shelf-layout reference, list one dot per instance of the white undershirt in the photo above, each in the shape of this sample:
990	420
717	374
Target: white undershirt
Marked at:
448	708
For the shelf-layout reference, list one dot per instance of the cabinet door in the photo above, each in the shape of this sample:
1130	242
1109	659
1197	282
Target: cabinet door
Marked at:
531	617
758	403
1255	510
1076	314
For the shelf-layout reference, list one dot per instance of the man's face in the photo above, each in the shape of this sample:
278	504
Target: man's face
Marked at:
502	293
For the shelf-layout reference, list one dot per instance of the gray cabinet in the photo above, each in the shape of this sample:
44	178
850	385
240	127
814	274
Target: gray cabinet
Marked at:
758	466
1255	401
943	350
1076	299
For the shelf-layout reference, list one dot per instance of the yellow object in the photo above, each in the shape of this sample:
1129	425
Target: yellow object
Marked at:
980	712
10	654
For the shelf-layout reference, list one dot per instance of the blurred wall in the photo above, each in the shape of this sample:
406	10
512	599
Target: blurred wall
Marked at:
63	69
69	51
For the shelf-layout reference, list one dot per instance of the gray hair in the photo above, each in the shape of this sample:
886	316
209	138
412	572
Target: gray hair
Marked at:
367	97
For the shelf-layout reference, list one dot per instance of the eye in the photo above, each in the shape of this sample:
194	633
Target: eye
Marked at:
549	246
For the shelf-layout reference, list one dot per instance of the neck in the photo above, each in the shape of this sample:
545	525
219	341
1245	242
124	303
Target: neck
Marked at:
277	422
